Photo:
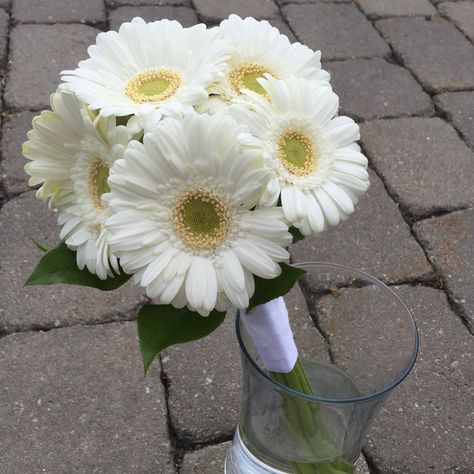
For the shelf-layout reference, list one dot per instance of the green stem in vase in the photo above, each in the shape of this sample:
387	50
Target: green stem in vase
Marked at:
309	425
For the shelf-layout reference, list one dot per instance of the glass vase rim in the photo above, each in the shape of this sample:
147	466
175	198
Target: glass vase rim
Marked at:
314	398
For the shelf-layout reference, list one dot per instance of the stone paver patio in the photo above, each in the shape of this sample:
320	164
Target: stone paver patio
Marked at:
72	395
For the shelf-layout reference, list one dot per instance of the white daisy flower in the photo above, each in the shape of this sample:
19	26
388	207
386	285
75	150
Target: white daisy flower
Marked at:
319	171
183	219
71	151
148	69
256	48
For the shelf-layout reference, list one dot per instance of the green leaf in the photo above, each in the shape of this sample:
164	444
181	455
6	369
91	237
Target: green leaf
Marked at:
267	290
296	233
41	247
58	265
161	326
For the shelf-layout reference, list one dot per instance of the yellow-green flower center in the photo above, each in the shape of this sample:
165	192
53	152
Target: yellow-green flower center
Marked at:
154	85
297	152
245	77
201	218
97	182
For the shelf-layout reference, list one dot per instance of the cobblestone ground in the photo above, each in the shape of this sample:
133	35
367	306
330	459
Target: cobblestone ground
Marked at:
72	395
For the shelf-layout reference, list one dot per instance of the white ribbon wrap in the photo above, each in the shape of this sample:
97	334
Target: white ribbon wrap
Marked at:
269	328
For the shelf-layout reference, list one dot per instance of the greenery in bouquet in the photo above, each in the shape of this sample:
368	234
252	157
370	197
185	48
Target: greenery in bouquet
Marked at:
188	160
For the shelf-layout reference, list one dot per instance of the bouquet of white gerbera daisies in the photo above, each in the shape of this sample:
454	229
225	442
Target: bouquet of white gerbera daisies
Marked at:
189	159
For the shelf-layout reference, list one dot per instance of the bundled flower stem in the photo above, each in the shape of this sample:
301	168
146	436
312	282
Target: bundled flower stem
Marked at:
309	425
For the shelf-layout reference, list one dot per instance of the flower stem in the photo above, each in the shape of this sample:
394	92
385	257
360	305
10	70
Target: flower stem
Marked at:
309	425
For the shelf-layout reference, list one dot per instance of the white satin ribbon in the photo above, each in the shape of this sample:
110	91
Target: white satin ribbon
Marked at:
269	328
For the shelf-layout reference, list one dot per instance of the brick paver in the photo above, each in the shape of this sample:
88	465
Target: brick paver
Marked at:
449	241
15	127
345	33
51	11
21	220
211	11
462	13
74	399
31	78
374	88
185	15
443	58
386	8
459	108
424	163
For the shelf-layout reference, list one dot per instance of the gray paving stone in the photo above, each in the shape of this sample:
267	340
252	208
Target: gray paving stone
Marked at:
427	424
449	241
374	239
14	131
31	78
373	88
4	24
462	13
286	2
186	16
438	54
339	31
119	3
52	11
212	11
21	308
205	376
425	165
75	400
209	460
5	4
386	8
459	108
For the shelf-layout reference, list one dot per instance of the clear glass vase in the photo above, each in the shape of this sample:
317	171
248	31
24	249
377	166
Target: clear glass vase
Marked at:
365	344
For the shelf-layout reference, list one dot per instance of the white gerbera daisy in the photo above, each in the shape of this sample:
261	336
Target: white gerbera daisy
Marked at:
71	152
319	172
148	69
182	215
256	48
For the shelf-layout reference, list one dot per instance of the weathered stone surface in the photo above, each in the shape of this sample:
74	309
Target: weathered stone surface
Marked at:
459	108
427	424
75	400
14	131
118	3
22	220
449	241
31	78
375	239
424	163
339	31
4	23
209	460
433	49
286	2
52	11
386	8
462	13
396	92
211	11
186	16
205	376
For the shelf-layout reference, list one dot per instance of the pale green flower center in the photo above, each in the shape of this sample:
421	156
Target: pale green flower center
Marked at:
245	77
154	85
297	152
201	218
98	175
